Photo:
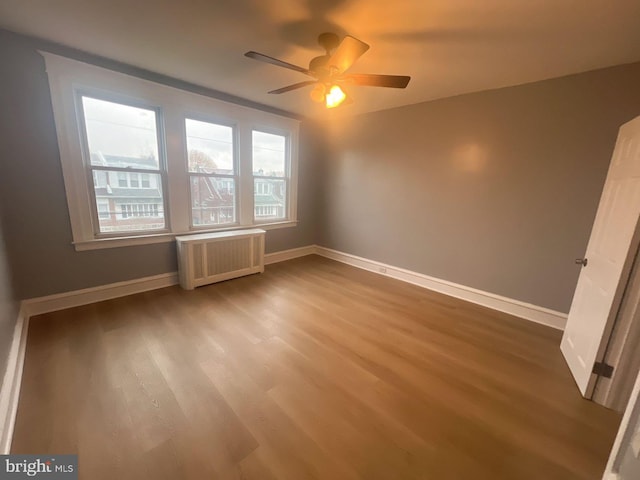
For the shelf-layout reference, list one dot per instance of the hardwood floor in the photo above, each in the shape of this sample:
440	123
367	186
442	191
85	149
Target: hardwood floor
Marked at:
312	370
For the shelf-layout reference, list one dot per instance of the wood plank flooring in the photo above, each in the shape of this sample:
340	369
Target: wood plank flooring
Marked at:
312	370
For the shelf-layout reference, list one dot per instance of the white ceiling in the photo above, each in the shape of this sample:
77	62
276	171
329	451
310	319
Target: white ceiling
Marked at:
448	47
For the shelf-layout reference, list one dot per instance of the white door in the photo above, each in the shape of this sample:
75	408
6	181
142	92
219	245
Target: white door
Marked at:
597	295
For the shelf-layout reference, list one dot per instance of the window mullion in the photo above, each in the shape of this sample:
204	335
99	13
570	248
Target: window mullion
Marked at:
245	170
178	179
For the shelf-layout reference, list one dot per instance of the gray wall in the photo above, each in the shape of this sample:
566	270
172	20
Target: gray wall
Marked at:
8	300
37	228
494	190
312	154
8	308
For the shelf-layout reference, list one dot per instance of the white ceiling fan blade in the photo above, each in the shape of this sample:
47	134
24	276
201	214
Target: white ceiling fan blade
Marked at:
372	80
295	86
274	61
349	50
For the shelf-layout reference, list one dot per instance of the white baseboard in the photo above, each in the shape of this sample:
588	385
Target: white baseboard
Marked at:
290	254
535	313
517	308
60	301
10	393
76	298
36	306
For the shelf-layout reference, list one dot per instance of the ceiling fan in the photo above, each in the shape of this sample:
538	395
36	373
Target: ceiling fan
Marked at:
329	70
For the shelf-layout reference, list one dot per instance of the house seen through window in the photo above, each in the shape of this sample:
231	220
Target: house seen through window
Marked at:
212	178
269	175
144	162
124	159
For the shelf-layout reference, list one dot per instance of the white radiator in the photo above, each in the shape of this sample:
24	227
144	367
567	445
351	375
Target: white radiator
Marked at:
213	257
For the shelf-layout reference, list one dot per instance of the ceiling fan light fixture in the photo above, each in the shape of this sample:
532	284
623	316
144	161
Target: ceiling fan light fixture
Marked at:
335	97
330	69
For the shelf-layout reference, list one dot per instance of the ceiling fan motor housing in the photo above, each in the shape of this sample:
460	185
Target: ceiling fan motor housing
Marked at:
328	41
318	66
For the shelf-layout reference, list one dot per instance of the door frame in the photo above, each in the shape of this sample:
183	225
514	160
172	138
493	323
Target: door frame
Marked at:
620	288
615	392
625	434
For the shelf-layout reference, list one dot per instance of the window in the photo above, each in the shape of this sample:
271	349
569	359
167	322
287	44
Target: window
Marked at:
146	183
121	138
270	168
104	212
122	179
131	180
140	210
211	164
134	180
266	211
144	162
100	178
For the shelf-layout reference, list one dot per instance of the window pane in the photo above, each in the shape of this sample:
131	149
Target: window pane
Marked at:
120	135
269	154
134	180
213	200
269	199
210	147
126	209
122	180
103	210
100	178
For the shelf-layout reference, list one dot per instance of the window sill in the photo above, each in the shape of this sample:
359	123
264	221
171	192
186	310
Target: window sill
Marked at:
115	242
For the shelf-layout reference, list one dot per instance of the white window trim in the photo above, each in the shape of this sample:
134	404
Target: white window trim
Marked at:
290	165
236	169
67	76
85	163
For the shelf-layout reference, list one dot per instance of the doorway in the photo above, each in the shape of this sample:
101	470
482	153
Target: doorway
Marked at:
605	279
622	352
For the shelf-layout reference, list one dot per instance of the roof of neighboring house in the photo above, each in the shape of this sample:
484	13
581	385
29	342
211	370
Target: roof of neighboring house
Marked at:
137	193
99	158
270	199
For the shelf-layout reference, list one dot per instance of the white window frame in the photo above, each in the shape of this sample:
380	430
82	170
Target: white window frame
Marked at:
236	169
127	173
288	163
69	77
